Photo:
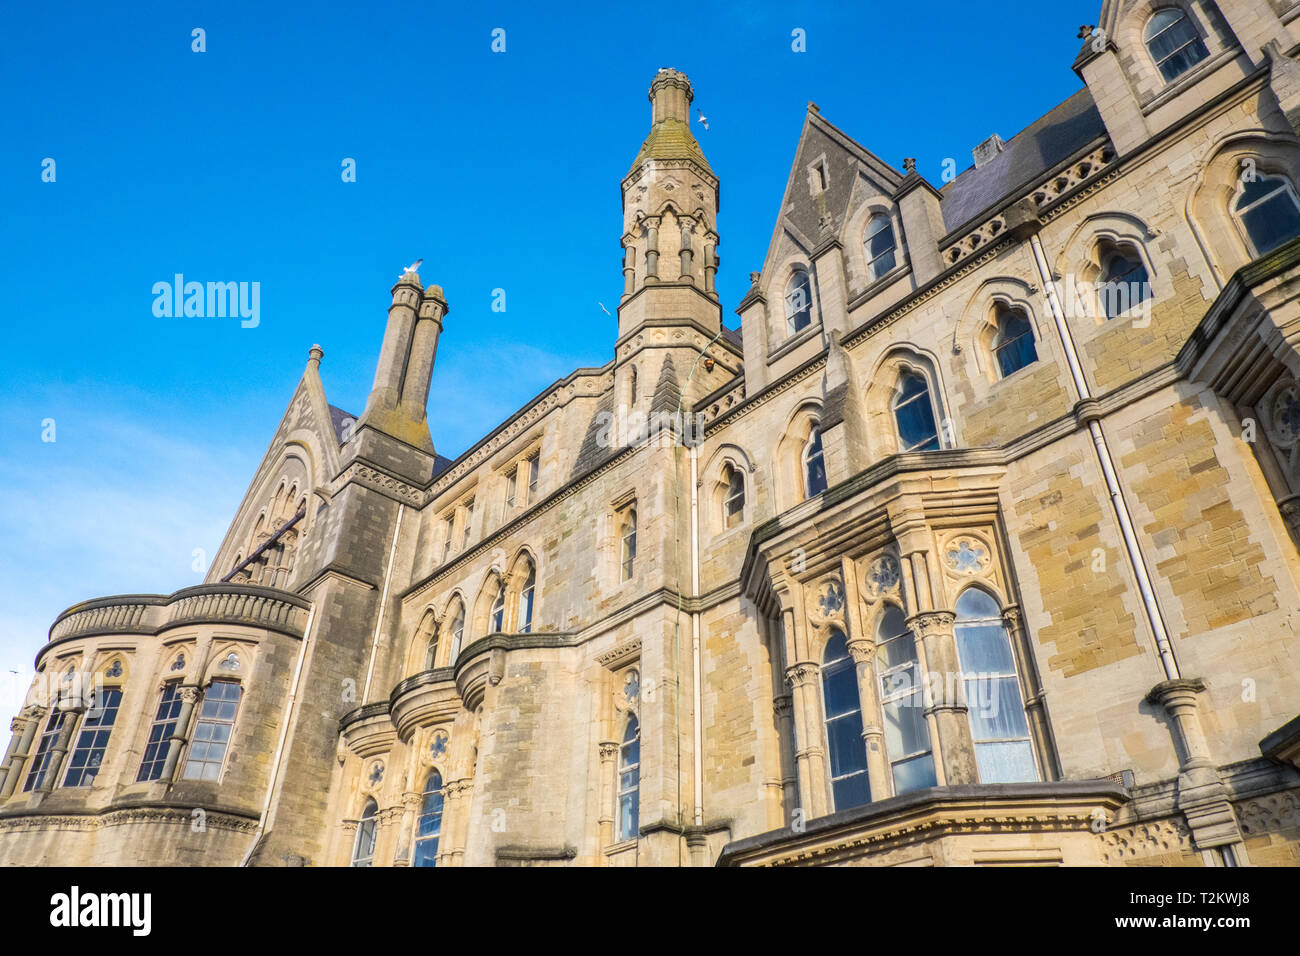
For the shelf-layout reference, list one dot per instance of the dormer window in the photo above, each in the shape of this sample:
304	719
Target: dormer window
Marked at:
1174	43
880	246
798	302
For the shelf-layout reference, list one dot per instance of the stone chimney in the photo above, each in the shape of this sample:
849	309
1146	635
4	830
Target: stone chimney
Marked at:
988	150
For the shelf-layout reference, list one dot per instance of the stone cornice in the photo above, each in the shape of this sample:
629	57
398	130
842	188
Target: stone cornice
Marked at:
223	818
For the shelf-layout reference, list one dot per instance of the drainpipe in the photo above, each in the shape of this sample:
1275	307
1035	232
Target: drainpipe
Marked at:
383	603
1136	560
273	785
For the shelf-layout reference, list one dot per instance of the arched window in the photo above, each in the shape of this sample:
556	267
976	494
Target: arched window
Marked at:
733	498
629	780
1003	752
907	736
798	302
627	562
1123	281
814	465
1174	43
429	826
213	730
880	247
1269	212
427	638
92	741
497	616
1013	345
526	601
457	632
914	414
848	752
363	848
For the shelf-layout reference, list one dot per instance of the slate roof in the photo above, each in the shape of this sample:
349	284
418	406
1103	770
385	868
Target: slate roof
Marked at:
338	417
1043	144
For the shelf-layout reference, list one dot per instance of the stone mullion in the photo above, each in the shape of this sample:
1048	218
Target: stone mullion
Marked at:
783	707
862	649
189	696
608	772
810	756
1040	727
387	821
60	749
456	795
19	754
652	249
913	540
404	854
686	253
946	690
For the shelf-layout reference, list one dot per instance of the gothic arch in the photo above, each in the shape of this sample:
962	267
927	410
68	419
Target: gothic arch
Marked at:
882	432
479	624
787	458
428	628
523	561
853	235
713	484
978	325
1218	177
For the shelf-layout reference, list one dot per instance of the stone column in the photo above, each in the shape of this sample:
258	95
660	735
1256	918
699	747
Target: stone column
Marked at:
455	821
862	648
1201	794
810	756
406	828
783	707
652	250
24	727
687	252
60	748
629	267
388	820
605	819
947	695
189	695
1040	727
710	264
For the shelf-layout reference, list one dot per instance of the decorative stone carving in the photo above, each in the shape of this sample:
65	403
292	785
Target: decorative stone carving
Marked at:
438	747
828	605
931	623
967	555
1284	416
1146	839
881	577
1276	811
798	674
188	694
376	775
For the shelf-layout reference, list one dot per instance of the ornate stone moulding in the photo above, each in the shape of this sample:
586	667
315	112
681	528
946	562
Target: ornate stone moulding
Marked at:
150	614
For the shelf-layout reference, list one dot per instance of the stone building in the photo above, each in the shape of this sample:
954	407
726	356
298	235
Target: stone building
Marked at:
976	543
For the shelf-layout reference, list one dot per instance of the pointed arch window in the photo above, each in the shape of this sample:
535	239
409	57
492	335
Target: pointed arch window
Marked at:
160	732
427	636
1174	43
1123	281
213	730
629	780
92	742
914	413
497	616
798	302
1003	750
1269	212
733	500
814	465
429	827
41	761
1013	345
363	848
880	246
526	600
457	634
907	735
848	752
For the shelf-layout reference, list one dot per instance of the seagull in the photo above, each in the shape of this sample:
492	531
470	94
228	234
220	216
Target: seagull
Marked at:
704	120
411	268
603	309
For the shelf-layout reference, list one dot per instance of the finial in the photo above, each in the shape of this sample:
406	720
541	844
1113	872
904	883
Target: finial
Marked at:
753	277
314	355
909	165
813	107
1085	31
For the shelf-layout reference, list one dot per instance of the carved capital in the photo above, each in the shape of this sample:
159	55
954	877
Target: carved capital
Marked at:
862	651
801	673
188	694
608	750
929	624
783	706
1012	618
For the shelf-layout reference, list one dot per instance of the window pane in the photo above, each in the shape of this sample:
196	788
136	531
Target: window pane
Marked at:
995	709
841	685
798	302
1272	222
848	753
984	649
426	852
906	732
914	774
1010	762
851	791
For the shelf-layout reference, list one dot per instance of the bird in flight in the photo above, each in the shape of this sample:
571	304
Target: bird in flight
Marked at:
704	120
603	309
411	268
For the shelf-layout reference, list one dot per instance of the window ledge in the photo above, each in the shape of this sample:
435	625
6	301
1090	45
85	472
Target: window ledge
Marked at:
1174	89
621	847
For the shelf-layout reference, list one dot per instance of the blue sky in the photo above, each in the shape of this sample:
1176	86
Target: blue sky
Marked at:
501	170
